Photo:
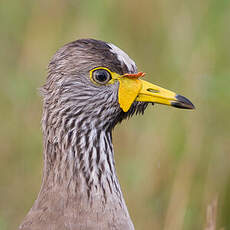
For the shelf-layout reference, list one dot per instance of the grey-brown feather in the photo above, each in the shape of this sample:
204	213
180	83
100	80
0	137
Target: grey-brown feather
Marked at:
80	189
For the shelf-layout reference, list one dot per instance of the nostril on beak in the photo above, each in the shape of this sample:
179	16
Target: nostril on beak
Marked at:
153	90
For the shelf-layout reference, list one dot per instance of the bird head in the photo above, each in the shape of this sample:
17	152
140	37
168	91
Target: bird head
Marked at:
97	82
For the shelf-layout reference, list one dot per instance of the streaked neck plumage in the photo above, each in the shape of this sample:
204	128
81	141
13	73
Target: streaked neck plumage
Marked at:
79	177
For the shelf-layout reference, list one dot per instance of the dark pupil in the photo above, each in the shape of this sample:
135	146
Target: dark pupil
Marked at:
101	75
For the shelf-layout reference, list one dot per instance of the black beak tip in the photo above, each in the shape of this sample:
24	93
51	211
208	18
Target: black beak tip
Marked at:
182	103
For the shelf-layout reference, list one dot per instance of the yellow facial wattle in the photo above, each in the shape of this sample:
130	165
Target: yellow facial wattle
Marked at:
128	92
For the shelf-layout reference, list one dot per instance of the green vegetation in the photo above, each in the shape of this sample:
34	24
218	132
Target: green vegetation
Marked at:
171	163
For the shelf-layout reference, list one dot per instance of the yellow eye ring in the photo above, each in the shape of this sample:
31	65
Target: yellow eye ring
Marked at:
100	75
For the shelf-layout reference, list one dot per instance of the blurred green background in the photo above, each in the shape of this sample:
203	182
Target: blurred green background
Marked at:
171	163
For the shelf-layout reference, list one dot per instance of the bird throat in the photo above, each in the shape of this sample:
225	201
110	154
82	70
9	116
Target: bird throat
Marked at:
79	177
82	161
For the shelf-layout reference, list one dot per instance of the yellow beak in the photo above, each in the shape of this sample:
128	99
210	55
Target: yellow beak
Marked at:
133	89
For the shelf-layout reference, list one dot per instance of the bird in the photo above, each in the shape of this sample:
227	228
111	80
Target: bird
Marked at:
91	86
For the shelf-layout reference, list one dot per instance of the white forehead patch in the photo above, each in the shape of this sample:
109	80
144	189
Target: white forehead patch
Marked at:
123	58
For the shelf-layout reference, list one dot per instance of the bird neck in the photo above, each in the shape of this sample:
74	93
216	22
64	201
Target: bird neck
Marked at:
79	172
81	160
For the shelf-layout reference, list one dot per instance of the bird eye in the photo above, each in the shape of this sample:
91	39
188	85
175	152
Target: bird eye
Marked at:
101	76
